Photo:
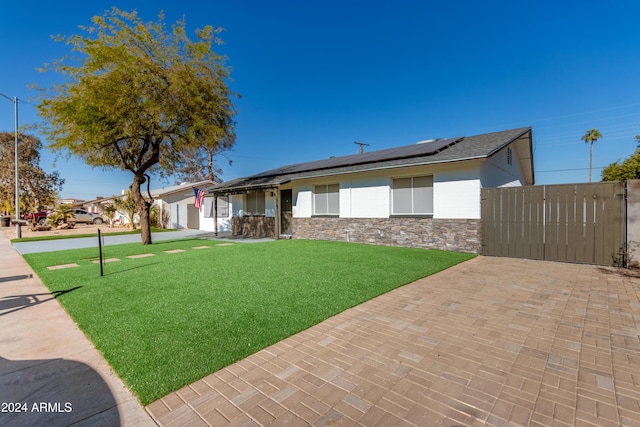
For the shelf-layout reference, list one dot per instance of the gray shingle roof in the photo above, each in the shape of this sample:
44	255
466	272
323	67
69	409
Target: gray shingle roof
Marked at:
438	151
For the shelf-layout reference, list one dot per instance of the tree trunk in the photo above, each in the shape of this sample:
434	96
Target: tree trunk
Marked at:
143	209
590	159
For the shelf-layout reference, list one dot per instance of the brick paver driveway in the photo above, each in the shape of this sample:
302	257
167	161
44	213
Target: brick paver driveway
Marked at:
493	341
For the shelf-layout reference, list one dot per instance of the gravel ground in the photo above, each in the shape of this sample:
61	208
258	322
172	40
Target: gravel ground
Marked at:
10	232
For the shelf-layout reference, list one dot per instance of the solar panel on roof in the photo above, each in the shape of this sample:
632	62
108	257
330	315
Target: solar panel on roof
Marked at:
415	150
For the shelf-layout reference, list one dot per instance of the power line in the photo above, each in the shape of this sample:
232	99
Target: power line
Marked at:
570	170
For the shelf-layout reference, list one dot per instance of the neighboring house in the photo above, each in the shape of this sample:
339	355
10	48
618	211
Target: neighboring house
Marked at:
177	206
422	195
72	202
97	206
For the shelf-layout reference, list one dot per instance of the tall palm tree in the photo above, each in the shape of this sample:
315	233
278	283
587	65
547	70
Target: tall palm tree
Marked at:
590	137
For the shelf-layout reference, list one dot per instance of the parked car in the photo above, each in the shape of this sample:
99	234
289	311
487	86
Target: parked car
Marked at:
39	217
85	217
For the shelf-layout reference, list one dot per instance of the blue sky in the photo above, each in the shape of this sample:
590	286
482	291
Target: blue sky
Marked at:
315	76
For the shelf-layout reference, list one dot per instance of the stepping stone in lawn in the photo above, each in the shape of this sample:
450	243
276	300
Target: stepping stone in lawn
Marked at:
97	261
201	247
140	256
224	244
174	251
62	266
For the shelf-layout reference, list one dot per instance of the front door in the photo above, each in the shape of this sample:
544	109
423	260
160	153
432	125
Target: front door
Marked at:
286	212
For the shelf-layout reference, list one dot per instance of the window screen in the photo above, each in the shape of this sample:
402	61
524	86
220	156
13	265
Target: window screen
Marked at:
207	209
412	196
254	204
223	207
326	199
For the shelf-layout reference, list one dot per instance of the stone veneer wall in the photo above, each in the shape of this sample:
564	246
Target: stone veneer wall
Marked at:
462	235
253	226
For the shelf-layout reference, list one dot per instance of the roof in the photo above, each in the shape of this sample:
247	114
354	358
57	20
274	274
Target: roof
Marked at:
159	192
437	151
163	192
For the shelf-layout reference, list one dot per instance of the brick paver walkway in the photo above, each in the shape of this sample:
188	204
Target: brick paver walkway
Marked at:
493	341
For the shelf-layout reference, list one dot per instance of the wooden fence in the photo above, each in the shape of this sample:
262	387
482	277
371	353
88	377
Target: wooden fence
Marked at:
581	223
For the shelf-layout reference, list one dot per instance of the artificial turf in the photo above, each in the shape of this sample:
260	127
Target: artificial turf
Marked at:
170	319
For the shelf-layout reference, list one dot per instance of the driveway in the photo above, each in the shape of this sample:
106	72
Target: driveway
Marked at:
492	341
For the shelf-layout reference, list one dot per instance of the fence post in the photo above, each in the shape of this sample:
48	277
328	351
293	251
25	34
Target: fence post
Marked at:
633	223
100	250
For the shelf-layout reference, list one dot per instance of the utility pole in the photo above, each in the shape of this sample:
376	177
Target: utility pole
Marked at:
361	144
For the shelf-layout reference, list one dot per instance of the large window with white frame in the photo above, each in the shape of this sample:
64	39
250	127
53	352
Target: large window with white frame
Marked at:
326	199
254	204
412	196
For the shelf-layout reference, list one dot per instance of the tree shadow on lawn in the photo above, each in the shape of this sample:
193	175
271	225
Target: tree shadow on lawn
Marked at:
124	270
14	303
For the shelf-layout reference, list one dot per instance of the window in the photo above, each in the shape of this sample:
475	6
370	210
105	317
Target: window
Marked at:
509	156
223	207
207	208
412	196
326	199
254	204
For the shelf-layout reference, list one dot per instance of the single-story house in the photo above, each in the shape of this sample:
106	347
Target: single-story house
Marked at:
422	195
177	207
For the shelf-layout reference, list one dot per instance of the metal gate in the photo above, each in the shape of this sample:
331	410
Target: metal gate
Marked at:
581	223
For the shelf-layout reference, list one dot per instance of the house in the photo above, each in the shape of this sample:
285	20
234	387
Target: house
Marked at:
176	208
422	195
72	202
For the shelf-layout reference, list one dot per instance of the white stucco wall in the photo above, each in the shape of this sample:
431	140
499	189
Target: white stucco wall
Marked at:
178	218
497	172
208	224
302	201
366	197
456	195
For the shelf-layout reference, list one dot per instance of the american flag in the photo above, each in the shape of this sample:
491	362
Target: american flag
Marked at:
199	198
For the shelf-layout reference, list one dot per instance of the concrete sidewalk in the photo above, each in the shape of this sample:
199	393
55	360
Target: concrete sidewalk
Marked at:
50	373
493	341
107	239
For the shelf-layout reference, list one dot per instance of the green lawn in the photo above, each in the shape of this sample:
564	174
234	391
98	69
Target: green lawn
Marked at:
168	320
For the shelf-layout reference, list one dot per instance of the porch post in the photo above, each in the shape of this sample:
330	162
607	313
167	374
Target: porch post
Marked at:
277	214
215	214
